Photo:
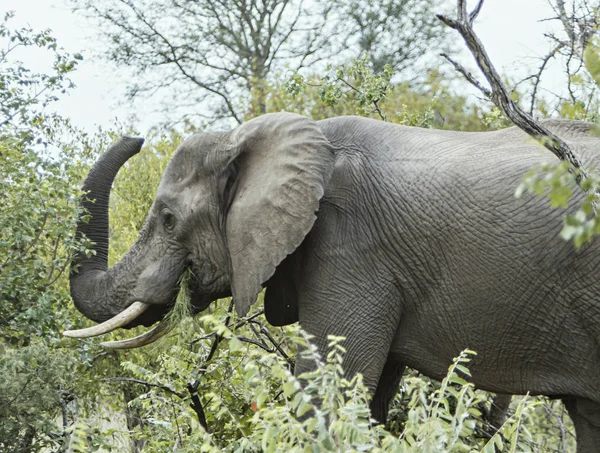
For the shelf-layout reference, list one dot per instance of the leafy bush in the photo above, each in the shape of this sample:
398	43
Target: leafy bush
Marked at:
251	400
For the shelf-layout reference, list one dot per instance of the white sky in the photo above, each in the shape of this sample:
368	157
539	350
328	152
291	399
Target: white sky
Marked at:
510	30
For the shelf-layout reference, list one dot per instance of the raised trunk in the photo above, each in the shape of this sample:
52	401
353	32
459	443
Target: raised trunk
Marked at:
91	284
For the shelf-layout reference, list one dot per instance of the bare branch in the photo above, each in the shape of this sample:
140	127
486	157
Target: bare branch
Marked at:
467	75
196	404
276	345
538	75
562	15
561	425
475	12
501	98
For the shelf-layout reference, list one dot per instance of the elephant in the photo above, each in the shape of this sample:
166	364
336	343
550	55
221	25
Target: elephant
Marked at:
409	242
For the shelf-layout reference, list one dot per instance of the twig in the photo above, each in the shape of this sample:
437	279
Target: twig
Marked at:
475	12
192	387
108	352
500	96
260	344
60	272
240	323
251	320
276	345
568	71
561	425
538	75
147	384
64	414
175	417
375	102
467	75
196	404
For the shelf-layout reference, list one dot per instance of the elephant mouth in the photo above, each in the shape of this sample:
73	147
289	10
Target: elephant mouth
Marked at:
140	313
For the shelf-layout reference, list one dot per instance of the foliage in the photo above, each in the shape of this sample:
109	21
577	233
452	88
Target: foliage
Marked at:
40	176
363	86
23	93
559	184
591	58
357	89
39	207
36	387
253	402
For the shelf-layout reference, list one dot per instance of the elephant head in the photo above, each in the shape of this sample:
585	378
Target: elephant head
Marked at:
230	207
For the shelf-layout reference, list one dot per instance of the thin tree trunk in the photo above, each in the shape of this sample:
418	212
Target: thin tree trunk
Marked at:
26	442
133	420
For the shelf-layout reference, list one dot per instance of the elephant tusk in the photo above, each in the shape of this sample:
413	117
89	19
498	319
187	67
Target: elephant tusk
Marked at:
151	336
123	318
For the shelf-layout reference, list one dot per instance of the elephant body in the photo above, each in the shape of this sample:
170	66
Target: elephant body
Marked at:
436	251
419	249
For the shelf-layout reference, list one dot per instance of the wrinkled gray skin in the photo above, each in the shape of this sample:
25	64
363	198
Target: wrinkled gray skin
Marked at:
419	249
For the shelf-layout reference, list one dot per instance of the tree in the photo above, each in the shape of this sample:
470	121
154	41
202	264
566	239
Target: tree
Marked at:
210	55
356	90
23	93
39	195
215	58
38	213
397	33
575	46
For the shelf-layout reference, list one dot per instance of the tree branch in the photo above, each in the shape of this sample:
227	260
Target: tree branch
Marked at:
263	331
467	75
561	425
196	404
166	388
501	98
538	75
375	103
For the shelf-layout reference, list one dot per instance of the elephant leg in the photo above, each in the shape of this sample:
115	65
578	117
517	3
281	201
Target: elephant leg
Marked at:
370	365
366	346
585	414
387	387
374	370
347	293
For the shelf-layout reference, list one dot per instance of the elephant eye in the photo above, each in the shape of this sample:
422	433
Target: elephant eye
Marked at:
168	220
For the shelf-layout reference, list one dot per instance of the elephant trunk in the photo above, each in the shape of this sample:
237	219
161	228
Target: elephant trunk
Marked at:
91	282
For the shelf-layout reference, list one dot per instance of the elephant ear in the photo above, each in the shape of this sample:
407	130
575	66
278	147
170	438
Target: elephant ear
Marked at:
284	164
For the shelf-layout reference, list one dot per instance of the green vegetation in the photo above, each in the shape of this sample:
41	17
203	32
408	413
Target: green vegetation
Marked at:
218	383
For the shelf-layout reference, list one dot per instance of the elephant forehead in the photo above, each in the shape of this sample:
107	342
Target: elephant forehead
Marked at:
201	153
203	142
